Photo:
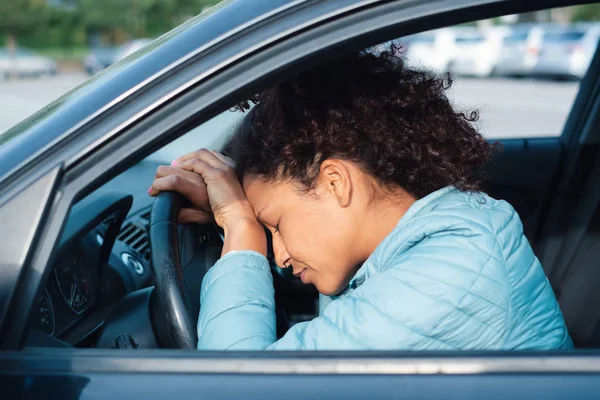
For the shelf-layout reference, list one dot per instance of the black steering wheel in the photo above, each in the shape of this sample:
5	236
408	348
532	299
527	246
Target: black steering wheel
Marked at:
171	308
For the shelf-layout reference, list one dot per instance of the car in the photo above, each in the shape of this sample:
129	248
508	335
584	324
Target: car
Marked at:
103	57
130	48
481	57
25	63
437	50
568	53
99	59
99	283
521	50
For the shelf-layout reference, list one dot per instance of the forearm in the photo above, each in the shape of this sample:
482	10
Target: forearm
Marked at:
244	234
237	304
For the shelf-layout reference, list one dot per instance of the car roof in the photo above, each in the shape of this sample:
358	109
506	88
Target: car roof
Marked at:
19	51
27	138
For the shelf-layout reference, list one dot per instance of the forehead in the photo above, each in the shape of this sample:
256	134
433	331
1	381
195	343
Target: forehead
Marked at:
267	197
259	192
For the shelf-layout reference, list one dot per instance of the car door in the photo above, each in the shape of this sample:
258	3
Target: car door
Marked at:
335	27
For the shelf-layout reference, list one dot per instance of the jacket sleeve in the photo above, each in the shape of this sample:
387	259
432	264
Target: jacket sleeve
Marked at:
438	295
237	304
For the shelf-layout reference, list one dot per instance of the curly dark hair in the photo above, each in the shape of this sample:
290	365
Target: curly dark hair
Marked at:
395	122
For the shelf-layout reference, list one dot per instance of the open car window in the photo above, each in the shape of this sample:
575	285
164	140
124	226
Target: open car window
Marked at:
517	99
523	87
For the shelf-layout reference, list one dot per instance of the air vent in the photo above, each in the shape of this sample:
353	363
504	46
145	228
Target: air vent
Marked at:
135	234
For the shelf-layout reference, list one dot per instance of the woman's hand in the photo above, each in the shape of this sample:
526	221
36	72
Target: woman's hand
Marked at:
207	179
191	186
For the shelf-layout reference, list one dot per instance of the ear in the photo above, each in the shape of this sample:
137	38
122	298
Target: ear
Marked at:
336	179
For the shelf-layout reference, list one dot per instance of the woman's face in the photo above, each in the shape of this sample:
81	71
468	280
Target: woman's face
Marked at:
314	234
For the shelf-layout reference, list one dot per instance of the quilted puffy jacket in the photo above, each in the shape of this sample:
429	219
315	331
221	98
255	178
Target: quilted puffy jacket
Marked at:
456	273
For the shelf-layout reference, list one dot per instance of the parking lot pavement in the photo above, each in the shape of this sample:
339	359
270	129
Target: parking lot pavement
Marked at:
508	108
21	98
516	108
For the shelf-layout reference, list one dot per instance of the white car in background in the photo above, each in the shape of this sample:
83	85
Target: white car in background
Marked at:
103	57
436	50
24	63
521	49
130	48
568	53
479	57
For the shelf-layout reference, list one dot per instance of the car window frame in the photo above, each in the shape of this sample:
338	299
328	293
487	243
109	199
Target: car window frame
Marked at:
198	104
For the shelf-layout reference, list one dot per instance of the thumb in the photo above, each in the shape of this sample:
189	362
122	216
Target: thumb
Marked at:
194	216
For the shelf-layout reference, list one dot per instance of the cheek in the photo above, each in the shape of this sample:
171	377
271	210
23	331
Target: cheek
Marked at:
320	240
298	237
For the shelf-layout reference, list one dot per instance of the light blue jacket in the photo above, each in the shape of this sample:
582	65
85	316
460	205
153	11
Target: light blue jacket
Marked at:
456	273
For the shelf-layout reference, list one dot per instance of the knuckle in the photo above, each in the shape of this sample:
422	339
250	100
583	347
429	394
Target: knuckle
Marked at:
220	173
161	170
174	181
194	161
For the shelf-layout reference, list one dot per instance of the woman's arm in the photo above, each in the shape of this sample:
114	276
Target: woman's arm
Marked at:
433	296
237	304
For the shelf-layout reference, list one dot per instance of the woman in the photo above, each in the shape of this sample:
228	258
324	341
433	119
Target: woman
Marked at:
366	178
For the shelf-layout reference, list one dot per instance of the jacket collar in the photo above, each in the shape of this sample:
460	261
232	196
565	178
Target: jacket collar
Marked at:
361	275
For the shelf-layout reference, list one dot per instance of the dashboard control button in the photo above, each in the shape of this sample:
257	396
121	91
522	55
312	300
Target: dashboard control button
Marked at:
133	263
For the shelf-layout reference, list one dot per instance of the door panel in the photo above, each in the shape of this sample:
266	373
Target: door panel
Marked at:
192	375
299	387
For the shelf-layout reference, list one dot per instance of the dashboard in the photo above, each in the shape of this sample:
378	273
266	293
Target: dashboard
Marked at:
102	256
71	292
99	285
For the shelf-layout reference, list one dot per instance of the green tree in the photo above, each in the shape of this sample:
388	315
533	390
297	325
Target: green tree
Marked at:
66	21
106	16
21	16
137	18
16	18
587	12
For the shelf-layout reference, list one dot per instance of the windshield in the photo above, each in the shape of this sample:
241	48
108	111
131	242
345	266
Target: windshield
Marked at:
470	39
516	37
26	99
558	37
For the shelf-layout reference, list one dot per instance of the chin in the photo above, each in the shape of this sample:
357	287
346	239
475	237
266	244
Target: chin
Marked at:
329	290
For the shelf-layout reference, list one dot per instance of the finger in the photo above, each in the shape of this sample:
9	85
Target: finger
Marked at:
198	166
164	170
196	194
184	158
194	216
202	154
227	160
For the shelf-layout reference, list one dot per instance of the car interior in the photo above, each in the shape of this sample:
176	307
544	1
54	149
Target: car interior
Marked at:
101	291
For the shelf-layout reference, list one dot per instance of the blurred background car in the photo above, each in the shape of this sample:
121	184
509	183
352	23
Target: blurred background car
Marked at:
437	50
103	57
511	50
25	63
522	49
567	53
130	48
518	55
479	57
98	59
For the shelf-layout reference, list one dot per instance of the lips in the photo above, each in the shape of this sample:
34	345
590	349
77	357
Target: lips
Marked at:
297	274
301	274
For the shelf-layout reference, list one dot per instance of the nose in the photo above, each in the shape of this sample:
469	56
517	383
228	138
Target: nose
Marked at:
282	257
